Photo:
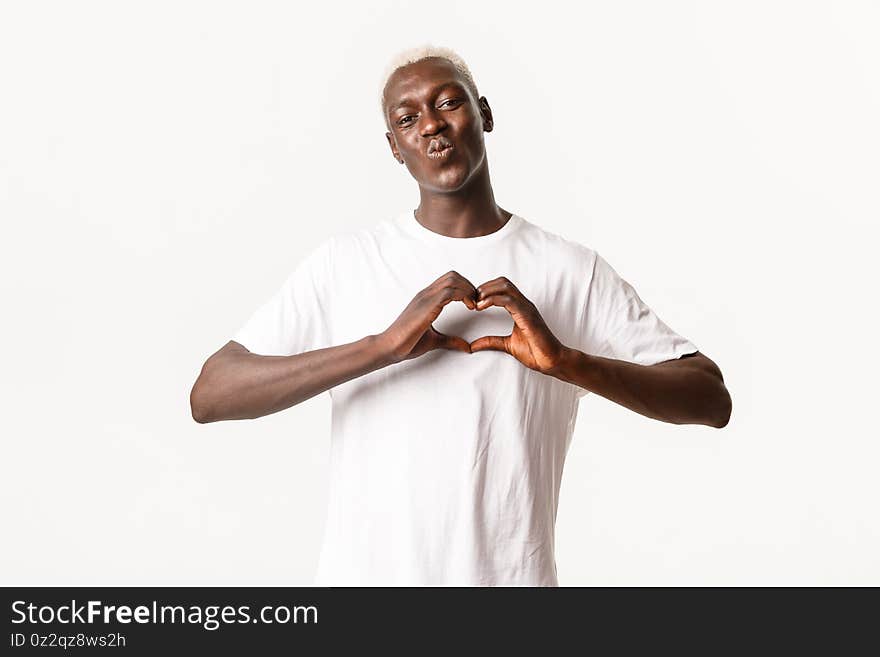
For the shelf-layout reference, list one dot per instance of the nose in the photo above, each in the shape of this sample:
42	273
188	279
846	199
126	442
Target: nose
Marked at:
432	123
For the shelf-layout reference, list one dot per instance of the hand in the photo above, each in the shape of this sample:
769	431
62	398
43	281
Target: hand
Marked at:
412	335
530	341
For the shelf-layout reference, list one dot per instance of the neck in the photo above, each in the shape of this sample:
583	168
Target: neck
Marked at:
468	212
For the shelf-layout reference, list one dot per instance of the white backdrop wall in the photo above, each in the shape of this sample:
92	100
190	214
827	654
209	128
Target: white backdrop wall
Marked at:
164	166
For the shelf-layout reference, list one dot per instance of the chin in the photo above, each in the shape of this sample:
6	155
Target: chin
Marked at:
449	180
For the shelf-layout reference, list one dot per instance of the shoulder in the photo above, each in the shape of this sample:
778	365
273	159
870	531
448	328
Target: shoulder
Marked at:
340	252
559	248
352	241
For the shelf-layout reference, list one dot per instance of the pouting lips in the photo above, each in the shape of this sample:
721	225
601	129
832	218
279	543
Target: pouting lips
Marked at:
441	153
438	145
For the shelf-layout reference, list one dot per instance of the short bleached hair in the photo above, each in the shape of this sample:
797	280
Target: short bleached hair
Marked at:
417	54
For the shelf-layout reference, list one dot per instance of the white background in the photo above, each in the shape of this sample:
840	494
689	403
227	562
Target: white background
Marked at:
164	166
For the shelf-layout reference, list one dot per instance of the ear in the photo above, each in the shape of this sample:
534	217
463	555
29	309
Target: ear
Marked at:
486	113
393	146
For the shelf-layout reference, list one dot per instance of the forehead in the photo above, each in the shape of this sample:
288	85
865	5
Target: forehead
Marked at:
420	77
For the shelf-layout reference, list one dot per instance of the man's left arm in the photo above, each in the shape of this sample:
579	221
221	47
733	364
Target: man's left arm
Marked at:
687	390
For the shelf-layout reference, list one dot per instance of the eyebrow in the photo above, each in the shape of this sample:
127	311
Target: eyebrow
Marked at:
407	100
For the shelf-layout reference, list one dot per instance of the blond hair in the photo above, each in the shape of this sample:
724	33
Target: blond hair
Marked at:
418	53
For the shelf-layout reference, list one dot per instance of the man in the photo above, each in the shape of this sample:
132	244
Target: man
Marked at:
452	418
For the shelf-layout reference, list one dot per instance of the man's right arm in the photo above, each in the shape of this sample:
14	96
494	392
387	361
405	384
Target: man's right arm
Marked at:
235	384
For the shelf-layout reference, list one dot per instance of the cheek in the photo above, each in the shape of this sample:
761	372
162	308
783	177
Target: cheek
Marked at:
409	149
477	131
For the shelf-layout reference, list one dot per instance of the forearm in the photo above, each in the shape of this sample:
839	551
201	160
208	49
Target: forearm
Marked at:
243	385
678	394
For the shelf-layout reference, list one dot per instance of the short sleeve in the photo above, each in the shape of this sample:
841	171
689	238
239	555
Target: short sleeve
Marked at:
294	319
617	324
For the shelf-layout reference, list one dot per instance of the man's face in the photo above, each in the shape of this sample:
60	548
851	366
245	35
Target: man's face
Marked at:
429	101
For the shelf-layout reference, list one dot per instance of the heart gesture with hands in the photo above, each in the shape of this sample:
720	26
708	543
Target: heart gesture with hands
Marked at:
531	342
412	334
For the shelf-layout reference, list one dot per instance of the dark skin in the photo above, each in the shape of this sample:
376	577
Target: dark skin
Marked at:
428	99
425	101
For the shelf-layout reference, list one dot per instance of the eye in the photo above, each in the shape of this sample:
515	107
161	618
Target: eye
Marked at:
404	121
451	100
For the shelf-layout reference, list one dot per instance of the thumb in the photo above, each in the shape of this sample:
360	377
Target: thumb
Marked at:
451	342
490	343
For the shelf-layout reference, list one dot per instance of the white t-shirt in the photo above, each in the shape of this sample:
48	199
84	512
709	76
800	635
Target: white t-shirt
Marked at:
445	469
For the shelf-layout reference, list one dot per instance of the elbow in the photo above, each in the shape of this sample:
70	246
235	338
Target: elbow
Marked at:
725	408
200	417
198	406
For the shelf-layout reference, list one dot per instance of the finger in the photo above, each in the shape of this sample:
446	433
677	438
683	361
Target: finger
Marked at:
451	276
490	343
501	285
470	292
506	301
469	297
494	283
452	342
458	292
456	280
487	288
467	286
